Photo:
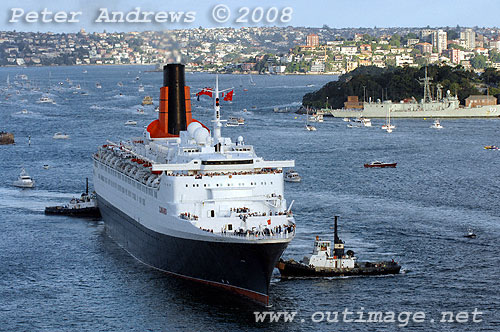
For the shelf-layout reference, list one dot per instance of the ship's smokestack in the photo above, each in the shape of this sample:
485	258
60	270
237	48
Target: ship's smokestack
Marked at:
173	78
338	245
175	104
335	230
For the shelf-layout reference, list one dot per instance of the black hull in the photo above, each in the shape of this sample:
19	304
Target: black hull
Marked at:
83	212
243	268
292	269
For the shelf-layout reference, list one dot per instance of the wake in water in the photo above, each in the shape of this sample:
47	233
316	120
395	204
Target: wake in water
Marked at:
32	199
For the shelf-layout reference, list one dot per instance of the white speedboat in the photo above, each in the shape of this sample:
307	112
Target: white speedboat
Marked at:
130	123
316	118
233	122
98	85
437	125
310	127
140	110
60	136
24	180
141	88
366	122
24	111
292	176
45	100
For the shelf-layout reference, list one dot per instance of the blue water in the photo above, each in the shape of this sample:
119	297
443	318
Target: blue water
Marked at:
63	274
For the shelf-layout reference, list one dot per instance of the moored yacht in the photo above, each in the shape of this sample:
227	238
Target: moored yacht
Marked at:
188	201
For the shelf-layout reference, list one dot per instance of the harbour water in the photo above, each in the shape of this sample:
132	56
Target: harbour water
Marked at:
64	274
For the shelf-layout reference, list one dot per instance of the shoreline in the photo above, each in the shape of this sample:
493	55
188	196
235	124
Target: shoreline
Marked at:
187	69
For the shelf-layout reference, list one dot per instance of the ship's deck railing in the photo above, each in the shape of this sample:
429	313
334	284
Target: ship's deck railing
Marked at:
200	175
277	232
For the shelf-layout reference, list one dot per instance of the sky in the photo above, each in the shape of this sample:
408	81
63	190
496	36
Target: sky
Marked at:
309	13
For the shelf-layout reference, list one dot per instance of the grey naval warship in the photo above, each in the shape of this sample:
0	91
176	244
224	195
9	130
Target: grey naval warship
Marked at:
187	201
447	106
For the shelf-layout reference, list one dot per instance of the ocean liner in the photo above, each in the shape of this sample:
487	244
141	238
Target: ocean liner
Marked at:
188	201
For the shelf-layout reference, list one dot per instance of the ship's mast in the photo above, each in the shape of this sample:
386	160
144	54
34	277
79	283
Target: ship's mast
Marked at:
217	120
427	88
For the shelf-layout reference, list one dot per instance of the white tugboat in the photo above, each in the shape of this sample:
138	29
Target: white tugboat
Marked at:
190	202
323	263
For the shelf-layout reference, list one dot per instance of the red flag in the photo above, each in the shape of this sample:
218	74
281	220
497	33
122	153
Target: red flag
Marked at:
205	91
229	96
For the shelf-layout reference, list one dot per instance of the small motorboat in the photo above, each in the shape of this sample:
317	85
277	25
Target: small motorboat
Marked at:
24	111
98	85
140	111
24	180
281	110
365	121
380	164
147	101
46	166
310	127
233	122
130	123
491	147
470	234
437	125
45	100
316	118
292	176
60	136
141	88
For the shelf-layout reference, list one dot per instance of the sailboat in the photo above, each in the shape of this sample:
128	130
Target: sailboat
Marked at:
388	125
251	79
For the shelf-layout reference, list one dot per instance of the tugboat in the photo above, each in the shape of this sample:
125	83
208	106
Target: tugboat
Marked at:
85	206
323	264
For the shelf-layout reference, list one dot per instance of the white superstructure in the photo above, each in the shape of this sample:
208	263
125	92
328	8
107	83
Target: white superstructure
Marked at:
198	183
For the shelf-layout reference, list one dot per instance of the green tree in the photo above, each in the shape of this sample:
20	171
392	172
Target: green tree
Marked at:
395	40
478	62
